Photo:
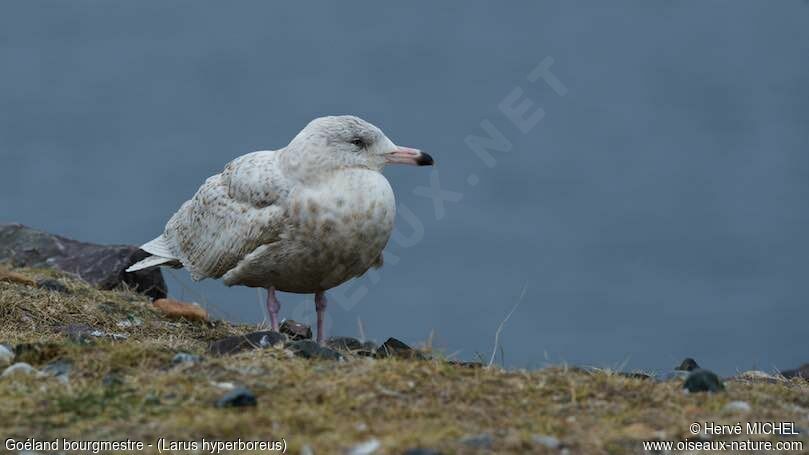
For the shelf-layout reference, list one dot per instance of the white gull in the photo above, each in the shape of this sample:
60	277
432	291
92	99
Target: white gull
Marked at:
301	219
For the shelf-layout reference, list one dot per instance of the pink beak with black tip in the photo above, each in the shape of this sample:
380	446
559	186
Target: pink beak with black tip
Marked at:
407	155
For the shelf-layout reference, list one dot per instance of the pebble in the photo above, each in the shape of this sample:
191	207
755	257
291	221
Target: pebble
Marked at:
238	397
546	441
737	407
239	343
701	380
365	448
6	356
184	357
397	348
309	349
296	330
19	368
478	441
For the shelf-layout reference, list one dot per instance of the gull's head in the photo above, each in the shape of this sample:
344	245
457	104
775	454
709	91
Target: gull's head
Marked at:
344	142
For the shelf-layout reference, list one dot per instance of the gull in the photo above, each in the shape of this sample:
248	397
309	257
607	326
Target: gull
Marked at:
301	219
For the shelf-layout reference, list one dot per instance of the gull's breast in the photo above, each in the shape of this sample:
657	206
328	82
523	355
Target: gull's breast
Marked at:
338	229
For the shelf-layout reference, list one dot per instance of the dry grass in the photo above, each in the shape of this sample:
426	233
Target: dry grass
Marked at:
129	389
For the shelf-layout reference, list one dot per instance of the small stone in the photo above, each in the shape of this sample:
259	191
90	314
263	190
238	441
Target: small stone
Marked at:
737	407
307	450
6	356
255	340
421	451
478	441
344	343
688	364
365	448
184	357
296	330
546	441
396	348
237	397
701	380
52	285
309	349
19	368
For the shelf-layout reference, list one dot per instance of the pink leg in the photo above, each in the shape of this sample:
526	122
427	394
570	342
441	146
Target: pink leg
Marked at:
320	306
273	306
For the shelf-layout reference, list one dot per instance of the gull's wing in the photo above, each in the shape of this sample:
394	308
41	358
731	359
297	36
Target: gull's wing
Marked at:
232	214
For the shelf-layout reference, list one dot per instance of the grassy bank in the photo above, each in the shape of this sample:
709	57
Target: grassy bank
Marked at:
123	384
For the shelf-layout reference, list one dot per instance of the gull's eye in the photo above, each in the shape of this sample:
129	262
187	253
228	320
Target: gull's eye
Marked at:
358	142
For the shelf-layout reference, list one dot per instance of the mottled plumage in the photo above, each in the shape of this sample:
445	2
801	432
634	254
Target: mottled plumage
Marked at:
303	219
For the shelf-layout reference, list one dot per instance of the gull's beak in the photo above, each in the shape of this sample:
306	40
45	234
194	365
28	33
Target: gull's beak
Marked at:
406	155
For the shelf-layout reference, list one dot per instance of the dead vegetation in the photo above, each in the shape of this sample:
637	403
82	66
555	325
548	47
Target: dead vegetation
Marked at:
126	386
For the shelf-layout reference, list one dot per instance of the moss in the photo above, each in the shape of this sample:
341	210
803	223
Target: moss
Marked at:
120	389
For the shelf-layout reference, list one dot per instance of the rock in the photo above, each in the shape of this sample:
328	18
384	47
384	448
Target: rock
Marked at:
19	368
6	356
478	441
546	441
421	451
688	364
365	448
296	330
238	397
175	309
184	357
396	348
800	372
100	265
349	344
255	340
736	407
701	380
52	285
309	349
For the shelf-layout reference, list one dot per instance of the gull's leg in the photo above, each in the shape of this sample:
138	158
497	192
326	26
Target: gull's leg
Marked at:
273	306
320	306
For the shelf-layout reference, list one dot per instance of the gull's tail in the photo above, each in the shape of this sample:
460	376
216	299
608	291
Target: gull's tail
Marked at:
161	255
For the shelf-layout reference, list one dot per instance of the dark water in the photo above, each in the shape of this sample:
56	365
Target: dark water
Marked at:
655	209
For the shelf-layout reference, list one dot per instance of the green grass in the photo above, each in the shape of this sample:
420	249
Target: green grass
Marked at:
129	389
